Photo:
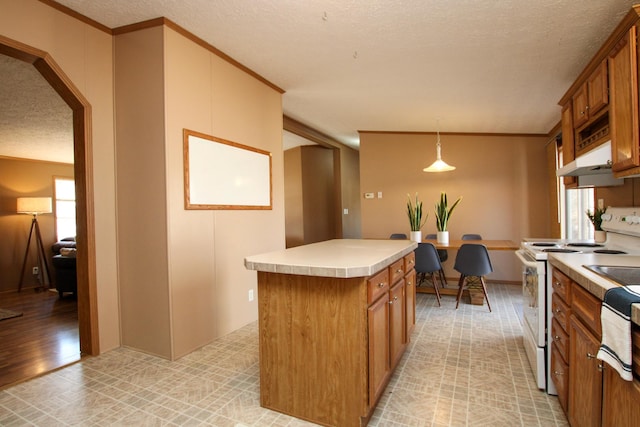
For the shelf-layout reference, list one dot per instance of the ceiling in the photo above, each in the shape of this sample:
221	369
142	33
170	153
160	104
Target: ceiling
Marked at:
390	65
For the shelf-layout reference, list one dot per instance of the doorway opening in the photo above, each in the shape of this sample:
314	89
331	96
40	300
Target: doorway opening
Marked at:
85	236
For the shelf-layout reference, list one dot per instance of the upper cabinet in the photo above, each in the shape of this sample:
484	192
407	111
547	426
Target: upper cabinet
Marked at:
592	96
602	103
623	70
568	147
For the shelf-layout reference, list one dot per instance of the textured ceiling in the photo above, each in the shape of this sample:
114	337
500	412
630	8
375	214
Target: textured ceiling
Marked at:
34	121
398	65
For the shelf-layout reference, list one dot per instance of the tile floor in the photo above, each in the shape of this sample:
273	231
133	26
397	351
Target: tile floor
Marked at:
464	367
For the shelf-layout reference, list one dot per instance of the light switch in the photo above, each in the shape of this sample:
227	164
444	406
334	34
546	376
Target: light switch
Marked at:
379	194
346	211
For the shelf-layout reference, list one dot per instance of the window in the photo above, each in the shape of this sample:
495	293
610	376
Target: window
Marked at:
65	210
578	201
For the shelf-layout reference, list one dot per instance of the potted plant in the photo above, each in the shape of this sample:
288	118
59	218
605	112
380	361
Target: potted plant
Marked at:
596	219
414	212
443	213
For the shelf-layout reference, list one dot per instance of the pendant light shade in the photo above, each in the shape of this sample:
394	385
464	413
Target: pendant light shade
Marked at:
439	165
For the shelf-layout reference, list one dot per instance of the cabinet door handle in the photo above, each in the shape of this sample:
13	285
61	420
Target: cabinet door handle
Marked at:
600	367
409	283
390	302
399	270
557	311
556	337
590	356
557	373
381	285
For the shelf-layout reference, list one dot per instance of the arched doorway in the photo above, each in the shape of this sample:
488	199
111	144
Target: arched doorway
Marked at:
53	74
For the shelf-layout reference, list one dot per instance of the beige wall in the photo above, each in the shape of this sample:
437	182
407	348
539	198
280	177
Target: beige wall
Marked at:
182	271
187	264
209	284
25	178
293	191
85	56
310	193
350	179
502	179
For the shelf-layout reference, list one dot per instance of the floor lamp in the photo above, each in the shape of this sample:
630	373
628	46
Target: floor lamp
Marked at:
35	206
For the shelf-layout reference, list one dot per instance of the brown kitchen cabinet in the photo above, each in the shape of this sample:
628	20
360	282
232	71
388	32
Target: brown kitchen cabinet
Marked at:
560	306
621	403
592	96
410	303
585	376
568	144
329	345
623	81
591	393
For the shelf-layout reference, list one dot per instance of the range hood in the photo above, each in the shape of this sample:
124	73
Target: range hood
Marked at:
594	162
593	168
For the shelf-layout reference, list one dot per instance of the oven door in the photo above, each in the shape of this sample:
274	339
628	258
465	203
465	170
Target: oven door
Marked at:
533	310
533	297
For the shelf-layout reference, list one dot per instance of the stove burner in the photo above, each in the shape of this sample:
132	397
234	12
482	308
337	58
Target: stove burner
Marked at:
559	250
542	244
609	251
585	245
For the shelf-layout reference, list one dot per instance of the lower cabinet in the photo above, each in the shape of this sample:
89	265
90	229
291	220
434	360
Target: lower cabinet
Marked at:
388	317
329	345
621	403
590	391
585	377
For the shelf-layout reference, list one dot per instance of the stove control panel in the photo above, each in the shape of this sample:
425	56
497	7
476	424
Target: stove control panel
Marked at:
622	220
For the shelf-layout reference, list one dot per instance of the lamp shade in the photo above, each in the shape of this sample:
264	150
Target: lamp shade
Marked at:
34	205
439	165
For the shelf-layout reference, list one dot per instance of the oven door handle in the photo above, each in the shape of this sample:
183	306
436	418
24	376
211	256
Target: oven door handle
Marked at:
524	260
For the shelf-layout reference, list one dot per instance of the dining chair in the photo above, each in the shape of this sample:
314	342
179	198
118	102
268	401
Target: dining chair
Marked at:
398	236
428	262
442	253
471	237
472	260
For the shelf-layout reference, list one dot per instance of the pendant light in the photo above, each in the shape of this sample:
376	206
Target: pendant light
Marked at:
439	165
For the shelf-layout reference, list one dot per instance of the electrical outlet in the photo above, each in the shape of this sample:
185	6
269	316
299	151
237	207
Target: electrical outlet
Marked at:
250	295
35	271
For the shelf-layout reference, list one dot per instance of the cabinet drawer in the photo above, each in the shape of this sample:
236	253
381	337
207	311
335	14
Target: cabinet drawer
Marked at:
377	285
587	308
409	262
560	339
561	285
560	376
560	311
396	271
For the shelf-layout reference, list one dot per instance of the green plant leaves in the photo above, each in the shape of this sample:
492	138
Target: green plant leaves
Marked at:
443	212
414	212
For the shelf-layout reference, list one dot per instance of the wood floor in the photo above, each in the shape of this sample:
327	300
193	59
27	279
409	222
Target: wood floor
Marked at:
44	338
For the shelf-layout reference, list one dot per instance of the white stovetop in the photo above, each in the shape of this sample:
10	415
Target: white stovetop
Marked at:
344	258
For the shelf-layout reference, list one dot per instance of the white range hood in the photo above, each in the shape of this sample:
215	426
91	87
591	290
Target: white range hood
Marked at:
594	162
593	168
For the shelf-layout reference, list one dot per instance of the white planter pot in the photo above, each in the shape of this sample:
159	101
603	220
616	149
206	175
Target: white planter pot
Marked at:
600	236
416	236
443	237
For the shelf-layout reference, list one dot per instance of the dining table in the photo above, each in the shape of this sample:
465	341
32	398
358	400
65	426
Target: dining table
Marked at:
473	292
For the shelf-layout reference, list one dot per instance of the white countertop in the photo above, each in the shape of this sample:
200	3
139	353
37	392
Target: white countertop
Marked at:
573	266
344	258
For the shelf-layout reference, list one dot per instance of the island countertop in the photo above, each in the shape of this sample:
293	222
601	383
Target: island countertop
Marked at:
344	258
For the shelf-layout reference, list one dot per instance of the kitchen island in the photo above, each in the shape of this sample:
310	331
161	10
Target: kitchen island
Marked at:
334	320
